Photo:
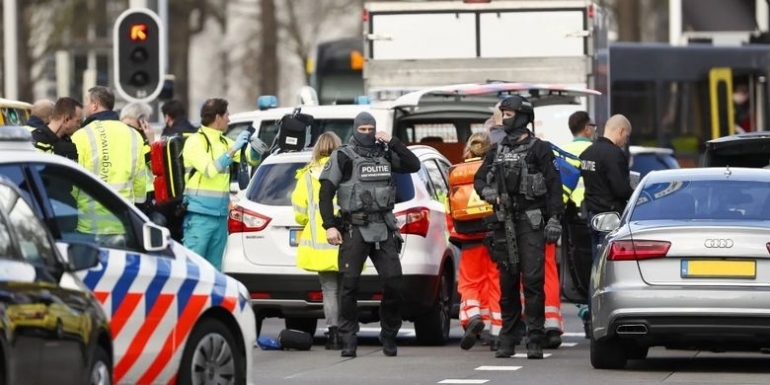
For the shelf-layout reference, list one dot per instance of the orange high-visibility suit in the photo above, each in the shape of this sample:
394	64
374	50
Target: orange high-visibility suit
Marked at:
478	276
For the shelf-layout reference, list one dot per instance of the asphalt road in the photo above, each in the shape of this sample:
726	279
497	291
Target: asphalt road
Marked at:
569	364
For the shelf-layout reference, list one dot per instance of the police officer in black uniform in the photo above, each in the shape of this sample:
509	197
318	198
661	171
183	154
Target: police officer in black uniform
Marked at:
606	175
360	174
533	184
54	138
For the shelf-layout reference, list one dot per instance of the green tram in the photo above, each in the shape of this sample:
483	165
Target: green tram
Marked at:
681	97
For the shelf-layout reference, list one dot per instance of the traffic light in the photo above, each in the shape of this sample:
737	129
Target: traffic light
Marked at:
138	49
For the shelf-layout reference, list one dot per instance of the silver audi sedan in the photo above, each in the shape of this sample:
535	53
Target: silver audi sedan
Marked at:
686	266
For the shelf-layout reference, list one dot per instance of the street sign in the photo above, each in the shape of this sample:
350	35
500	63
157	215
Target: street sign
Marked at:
138	52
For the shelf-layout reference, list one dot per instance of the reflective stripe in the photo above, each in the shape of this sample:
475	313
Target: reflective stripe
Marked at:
473	312
495	330
497	315
311	207
299	209
552	324
316	246
217	167
207	193
484	311
135	173
553	309
471	302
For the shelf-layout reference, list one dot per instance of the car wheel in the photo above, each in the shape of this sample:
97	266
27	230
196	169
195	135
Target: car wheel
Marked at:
212	356
307	325
432	328
609	353
636	352
101	369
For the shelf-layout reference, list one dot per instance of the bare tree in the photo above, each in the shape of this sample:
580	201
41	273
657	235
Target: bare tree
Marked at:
268	58
186	18
306	19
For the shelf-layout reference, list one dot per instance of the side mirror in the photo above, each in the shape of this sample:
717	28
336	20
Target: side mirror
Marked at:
156	238
605	222
80	255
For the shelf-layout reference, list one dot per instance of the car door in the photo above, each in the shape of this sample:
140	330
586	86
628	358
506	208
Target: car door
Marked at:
60	317
438	201
151	298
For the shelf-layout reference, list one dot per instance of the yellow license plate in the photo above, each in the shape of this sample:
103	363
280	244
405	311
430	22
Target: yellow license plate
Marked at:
743	269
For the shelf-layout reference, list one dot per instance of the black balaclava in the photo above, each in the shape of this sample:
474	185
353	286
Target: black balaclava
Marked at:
364	140
517	125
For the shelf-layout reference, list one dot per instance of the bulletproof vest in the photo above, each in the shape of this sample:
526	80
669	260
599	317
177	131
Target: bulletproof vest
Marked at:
519	179
370	188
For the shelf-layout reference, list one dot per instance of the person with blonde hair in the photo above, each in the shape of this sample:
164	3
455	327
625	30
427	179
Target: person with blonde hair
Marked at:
313	252
478	279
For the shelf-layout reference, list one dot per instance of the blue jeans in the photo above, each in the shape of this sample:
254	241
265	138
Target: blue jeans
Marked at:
206	235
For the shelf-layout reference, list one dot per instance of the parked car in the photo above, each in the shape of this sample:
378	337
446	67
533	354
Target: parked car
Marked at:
53	328
169	309
263	235
742	150
686	266
647	159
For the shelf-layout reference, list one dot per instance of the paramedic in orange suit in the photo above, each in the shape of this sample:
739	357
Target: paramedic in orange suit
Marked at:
478	277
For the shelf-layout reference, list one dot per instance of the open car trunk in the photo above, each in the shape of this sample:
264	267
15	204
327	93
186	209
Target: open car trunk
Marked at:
743	150
445	117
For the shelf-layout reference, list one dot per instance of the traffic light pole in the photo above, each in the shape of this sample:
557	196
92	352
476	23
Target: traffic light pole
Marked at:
10	44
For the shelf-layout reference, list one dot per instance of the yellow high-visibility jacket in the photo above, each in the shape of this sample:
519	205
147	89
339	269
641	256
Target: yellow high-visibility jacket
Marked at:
314	252
576	147
113	152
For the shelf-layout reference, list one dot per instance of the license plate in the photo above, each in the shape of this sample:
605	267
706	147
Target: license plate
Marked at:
742	269
294	236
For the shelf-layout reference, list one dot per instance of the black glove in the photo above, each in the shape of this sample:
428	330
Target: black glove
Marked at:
552	230
490	195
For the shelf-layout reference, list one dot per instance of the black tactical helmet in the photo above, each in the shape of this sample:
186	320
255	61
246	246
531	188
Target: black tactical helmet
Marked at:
525	113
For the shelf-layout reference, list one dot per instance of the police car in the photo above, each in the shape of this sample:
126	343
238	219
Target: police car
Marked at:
173	317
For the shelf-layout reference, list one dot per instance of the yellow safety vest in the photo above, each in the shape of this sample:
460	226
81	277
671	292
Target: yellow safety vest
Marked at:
576	147
207	187
314	252
112	151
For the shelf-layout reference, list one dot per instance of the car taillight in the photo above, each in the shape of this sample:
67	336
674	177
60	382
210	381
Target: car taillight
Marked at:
241	220
414	221
637	250
768	247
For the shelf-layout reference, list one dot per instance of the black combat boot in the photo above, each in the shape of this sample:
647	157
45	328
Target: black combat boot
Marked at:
472	331
507	347
552	339
534	350
349	345
333	339
494	343
389	347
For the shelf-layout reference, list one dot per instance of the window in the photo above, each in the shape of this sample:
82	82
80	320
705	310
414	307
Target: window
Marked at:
437	179
235	129
724	199
31	235
86	211
644	163
5	234
425	178
274	183
14	175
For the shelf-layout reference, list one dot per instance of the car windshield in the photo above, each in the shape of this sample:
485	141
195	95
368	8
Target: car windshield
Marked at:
274	183
644	163
723	199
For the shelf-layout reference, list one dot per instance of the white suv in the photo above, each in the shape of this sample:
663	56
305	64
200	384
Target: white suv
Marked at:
262	247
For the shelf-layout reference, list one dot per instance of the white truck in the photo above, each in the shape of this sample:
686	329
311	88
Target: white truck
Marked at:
409	46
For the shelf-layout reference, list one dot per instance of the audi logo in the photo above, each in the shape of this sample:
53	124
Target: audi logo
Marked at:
718	243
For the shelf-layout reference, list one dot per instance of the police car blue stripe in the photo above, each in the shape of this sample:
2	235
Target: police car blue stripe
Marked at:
126	279
193	272
156	285
93	276
219	289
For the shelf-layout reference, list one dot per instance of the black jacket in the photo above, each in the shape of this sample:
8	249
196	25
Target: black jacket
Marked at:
46	140
407	163
541	157
180	126
604	168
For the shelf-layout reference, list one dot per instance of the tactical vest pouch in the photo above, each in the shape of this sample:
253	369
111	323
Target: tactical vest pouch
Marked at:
535	218
385	198
533	186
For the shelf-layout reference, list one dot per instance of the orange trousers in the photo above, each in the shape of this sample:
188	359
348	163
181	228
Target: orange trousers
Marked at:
553	318
478	282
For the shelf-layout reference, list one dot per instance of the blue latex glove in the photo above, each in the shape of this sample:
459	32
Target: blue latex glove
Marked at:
242	139
224	161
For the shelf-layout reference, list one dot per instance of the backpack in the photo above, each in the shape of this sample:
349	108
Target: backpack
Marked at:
297	131
466	208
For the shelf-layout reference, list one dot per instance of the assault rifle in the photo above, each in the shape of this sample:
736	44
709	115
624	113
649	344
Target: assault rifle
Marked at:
504	211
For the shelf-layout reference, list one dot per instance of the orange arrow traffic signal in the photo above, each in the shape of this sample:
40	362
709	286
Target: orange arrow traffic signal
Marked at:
139	32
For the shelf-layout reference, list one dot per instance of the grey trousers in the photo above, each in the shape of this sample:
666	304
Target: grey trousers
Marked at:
330	284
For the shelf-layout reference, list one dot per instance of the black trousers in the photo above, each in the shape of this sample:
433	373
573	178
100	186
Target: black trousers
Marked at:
531	270
352	256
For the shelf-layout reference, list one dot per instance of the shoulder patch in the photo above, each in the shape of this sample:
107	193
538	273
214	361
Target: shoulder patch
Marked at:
556	164
328	165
